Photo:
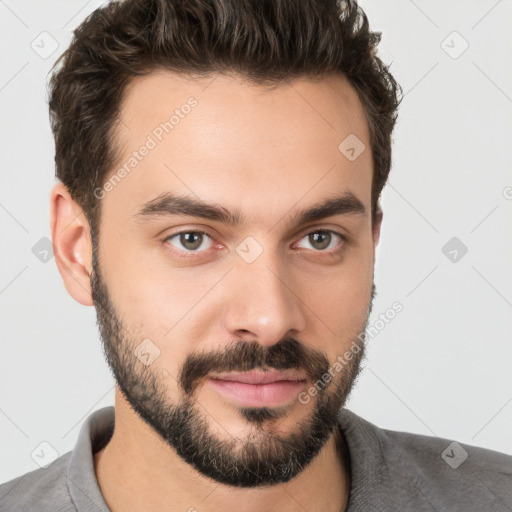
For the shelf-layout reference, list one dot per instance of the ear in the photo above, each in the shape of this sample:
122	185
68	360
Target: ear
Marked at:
72	241
379	214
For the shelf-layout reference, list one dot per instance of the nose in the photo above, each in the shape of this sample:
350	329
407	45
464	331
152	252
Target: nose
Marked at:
263	302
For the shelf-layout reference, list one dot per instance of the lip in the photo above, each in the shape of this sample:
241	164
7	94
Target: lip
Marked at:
259	377
258	389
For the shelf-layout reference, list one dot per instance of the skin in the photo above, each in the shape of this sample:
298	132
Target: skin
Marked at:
269	153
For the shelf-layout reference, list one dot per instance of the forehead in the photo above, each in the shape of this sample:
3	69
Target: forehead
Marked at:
227	141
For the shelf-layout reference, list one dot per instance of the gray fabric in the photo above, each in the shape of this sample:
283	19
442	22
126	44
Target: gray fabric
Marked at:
390	471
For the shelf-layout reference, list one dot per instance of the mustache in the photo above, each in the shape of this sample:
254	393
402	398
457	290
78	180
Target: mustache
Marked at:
244	356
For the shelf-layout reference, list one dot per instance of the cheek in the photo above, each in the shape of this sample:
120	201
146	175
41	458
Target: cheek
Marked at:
340	298
341	303
162	304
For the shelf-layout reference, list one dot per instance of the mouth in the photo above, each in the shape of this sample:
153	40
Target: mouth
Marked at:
259	377
259	389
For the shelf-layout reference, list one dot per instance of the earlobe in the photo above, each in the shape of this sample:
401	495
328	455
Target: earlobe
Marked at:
72	241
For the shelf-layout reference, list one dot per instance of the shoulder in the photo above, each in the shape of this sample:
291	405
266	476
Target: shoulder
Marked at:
465	473
39	490
445	455
451	473
444	473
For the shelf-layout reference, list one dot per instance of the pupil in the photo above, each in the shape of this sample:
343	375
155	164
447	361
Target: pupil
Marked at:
320	235
186	242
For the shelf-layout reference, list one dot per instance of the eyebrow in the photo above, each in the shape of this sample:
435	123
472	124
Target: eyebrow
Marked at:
167	204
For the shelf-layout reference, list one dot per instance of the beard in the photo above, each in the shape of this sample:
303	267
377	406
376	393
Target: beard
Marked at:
263	458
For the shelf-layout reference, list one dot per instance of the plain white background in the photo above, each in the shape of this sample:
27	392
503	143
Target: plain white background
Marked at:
441	367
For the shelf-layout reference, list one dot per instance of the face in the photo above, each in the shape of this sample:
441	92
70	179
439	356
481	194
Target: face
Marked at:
214	257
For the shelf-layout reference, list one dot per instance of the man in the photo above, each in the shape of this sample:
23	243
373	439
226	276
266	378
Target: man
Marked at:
220	166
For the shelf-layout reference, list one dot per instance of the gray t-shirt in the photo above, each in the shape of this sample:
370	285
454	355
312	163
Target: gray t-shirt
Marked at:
390	471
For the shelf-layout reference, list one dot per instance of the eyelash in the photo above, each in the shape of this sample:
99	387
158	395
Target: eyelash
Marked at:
195	254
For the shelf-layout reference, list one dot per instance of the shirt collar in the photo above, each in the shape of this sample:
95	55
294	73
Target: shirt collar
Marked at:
372	486
81	477
376	483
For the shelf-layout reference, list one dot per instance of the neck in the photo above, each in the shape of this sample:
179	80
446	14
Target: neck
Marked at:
136	470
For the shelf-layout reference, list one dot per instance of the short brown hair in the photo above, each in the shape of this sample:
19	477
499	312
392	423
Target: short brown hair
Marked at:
266	41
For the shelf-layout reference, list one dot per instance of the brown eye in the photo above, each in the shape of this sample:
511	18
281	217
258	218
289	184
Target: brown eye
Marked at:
189	241
320	240
323	239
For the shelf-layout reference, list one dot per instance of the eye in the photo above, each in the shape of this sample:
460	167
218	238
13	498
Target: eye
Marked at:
323	239
191	241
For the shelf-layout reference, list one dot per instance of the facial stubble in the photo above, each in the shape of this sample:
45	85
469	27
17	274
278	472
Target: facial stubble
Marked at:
263	458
